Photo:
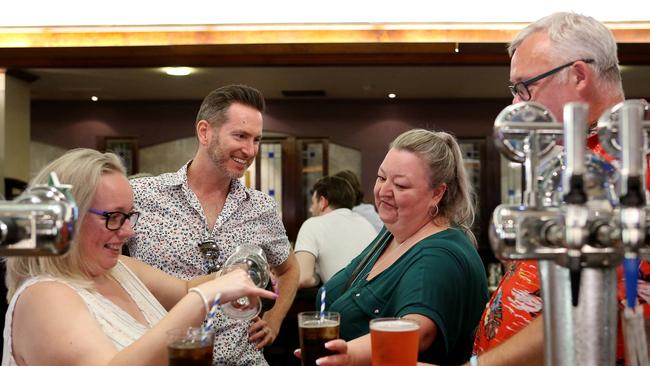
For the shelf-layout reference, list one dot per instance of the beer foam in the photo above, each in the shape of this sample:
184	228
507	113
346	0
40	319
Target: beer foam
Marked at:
394	326
318	323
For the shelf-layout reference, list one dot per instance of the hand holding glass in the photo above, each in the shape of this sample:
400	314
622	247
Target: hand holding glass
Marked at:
252	260
315	330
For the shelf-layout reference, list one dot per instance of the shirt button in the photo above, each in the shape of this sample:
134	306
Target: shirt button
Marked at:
376	311
358	294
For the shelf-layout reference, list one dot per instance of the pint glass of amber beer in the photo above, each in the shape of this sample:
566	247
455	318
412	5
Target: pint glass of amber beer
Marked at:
315	330
394	341
190	347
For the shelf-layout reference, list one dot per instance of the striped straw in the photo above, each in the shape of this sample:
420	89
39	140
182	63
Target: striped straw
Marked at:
208	324
322	303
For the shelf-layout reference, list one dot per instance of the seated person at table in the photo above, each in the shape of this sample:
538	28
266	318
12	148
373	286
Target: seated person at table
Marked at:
93	306
423	265
333	235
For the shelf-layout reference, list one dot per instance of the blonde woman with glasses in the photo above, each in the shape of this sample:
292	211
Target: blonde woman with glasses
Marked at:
93	306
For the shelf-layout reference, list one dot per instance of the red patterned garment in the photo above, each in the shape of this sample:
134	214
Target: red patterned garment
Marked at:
515	303
517	300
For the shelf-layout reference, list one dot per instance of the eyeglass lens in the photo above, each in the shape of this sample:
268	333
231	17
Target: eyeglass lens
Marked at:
115	220
520	90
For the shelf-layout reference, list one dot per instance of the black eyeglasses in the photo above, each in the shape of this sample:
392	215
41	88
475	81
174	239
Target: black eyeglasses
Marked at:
521	88
115	219
210	249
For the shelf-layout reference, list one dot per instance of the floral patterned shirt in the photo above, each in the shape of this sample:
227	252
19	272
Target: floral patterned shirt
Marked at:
515	303
173	225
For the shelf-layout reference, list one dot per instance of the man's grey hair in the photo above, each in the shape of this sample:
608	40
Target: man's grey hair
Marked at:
577	37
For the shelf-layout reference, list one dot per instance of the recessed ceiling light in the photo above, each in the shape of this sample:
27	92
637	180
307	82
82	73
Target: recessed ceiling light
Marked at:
94	98
392	95
178	71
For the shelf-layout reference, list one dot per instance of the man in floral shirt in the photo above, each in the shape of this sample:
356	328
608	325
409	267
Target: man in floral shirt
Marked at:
203	205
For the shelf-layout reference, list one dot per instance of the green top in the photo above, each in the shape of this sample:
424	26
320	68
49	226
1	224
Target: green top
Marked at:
441	277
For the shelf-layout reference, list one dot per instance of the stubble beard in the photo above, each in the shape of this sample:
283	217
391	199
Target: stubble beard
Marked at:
220	160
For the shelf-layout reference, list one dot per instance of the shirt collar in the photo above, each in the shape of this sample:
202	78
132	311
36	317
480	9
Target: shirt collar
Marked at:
237	190
178	178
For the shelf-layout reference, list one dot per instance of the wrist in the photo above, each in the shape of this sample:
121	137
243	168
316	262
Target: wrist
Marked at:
201	295
271	320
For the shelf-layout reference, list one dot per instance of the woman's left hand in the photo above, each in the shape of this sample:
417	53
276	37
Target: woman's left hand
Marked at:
341	358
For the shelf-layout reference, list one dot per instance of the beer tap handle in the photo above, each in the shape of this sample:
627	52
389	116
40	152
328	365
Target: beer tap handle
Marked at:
531	151
633	195
575	276
631	270
575	134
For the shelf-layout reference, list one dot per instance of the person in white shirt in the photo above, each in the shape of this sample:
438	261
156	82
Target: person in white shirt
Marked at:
366	210
334	235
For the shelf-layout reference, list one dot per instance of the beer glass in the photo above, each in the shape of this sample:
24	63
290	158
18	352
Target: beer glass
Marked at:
189	347
394	341
316	330
251	259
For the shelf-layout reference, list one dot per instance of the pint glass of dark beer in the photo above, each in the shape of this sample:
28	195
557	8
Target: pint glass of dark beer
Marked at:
394	341
316	330
190	347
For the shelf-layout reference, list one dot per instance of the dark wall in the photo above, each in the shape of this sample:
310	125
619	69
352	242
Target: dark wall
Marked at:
371	126
77	124
365	125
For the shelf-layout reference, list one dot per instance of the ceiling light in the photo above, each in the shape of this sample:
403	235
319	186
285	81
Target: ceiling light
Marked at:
392	95
178	71
94	98
457	48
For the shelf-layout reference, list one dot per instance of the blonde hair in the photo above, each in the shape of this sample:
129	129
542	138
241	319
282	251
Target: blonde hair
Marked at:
441	153
82	169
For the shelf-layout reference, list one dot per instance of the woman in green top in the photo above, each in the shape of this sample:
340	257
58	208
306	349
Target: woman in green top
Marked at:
423	265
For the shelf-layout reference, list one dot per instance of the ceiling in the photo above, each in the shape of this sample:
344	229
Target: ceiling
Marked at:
340	61
337	82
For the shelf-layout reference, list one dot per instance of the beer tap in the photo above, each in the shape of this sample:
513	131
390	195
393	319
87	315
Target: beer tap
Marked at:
39	222
576	211
582	235
632	212
633	222
525	133
610	134
623	134
569	225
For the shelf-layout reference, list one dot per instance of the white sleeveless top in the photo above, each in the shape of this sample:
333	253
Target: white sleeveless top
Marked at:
116	323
